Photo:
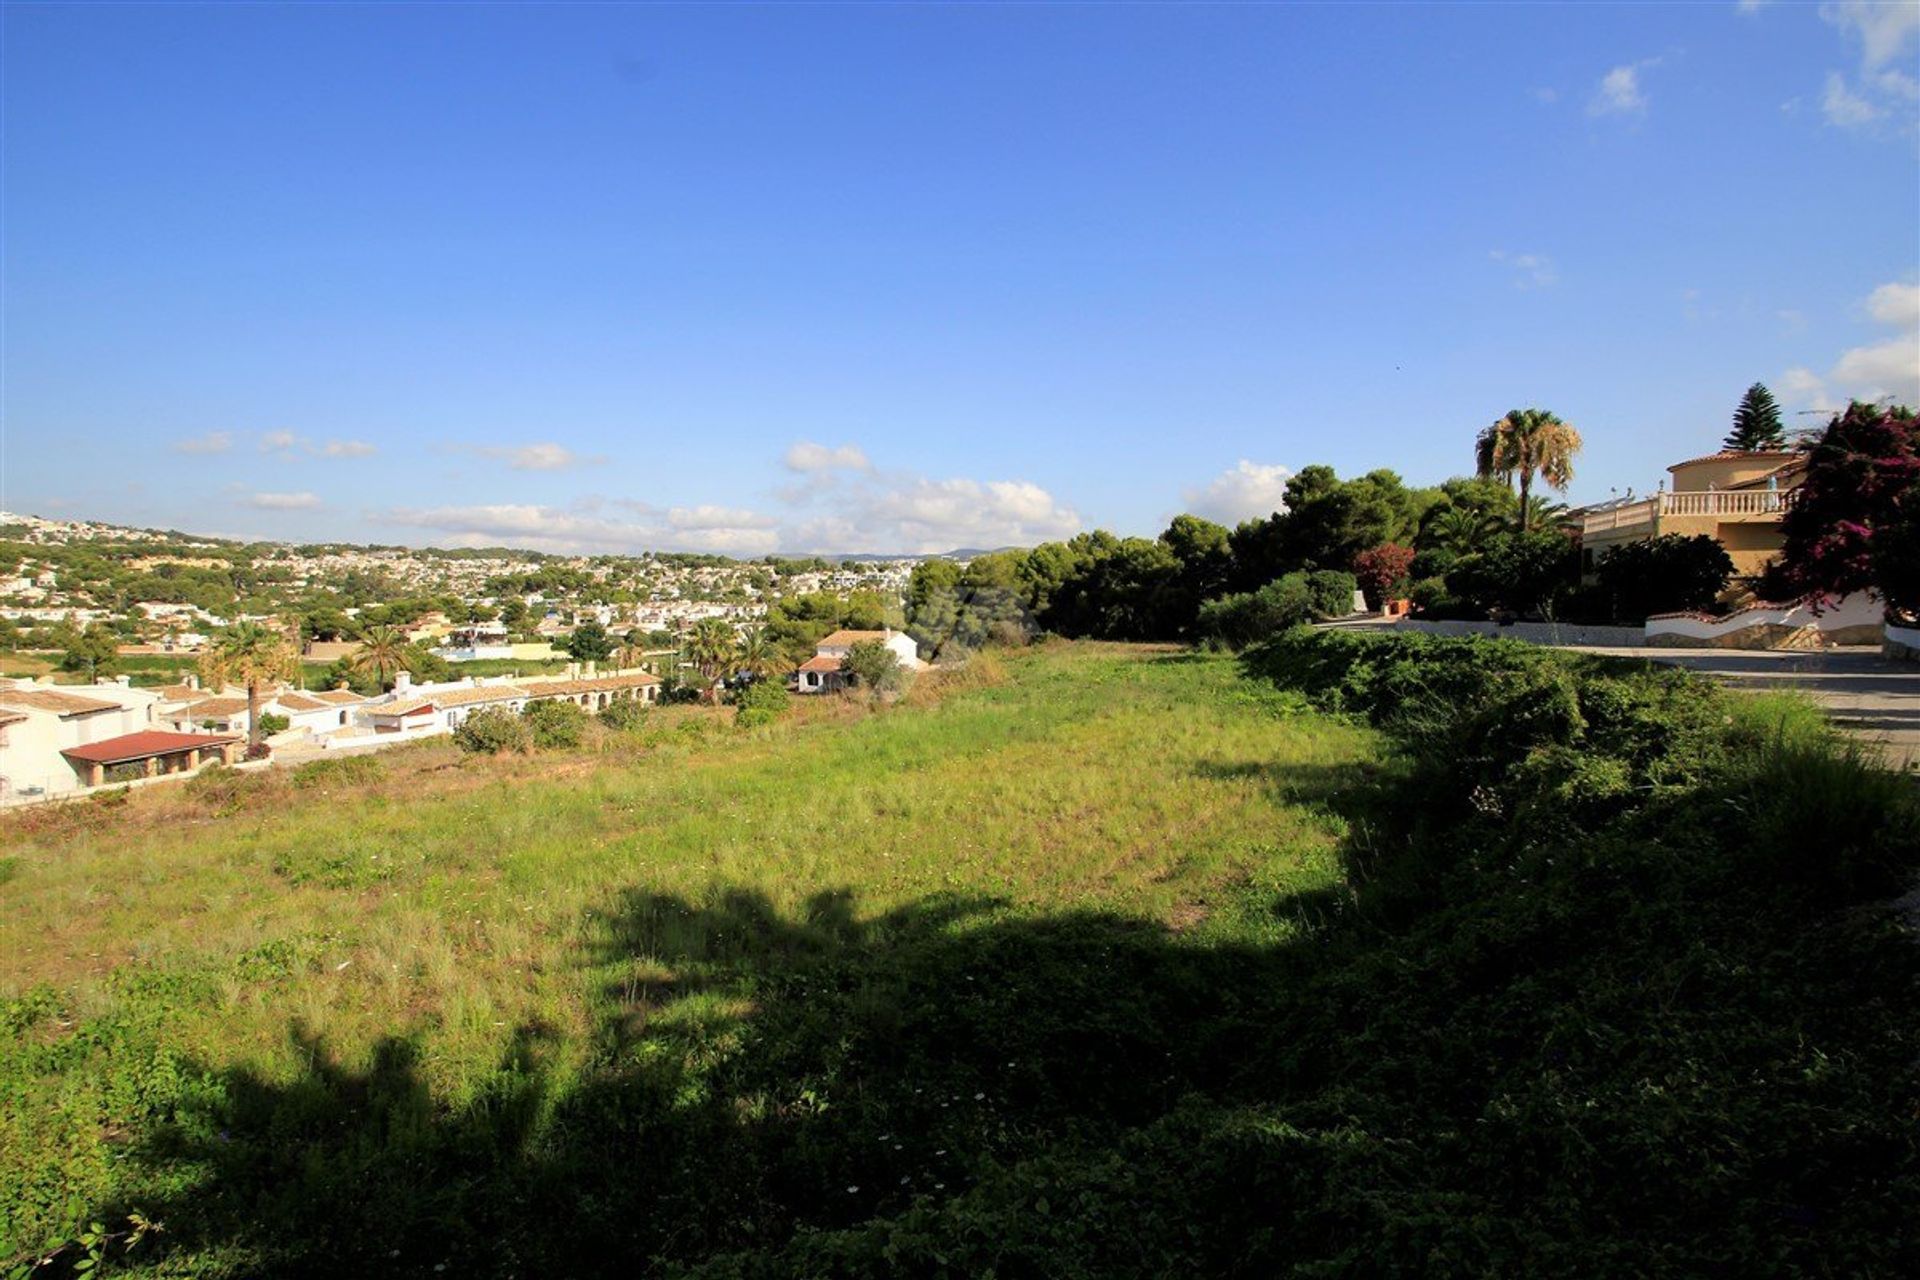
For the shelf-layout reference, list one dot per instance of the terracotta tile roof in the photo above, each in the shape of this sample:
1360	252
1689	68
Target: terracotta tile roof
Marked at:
301	702
590	684
820	664
147	742
338	697
211	709
179	692
1727	455
62	704
11	717
854	637
464	697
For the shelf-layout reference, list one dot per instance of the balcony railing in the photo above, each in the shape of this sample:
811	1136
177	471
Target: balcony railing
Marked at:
1622	517
1726	502
1711	502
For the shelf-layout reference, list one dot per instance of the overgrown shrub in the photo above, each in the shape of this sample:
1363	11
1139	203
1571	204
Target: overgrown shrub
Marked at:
1667	574
1520	574
1236	621
1331	591
272	722
553	723
491	730
338	771
761	702
624	715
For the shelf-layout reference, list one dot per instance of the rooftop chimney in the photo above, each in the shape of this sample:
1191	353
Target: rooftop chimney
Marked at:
403	683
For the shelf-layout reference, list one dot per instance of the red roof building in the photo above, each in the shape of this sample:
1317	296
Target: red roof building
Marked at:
155	749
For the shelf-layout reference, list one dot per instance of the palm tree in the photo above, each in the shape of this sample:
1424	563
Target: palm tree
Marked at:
761	657
1526	443
251	655
1459	529
382	652
631	653
710	647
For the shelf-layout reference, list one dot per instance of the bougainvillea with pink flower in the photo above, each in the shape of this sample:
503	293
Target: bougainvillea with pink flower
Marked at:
1861	473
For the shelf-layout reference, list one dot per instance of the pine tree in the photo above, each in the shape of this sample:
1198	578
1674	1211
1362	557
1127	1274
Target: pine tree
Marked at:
1756	423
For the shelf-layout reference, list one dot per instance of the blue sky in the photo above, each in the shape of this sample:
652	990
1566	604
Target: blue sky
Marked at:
894	277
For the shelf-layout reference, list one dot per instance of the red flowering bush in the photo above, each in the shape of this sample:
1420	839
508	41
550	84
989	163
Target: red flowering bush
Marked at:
1383	571
1859	472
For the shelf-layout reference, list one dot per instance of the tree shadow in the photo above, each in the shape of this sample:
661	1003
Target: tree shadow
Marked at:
957	1086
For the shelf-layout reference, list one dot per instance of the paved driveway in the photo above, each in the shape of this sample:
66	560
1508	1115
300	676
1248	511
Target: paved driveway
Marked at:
1863	692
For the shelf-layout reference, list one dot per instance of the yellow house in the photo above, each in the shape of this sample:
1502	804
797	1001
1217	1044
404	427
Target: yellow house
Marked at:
1736	498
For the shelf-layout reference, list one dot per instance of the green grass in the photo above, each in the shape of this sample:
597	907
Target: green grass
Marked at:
1091	961
455	903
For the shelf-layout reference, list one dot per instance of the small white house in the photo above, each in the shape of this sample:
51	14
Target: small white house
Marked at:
824	672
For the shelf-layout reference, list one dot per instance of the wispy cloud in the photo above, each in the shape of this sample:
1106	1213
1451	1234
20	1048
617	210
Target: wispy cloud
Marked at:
1889	368
542	456
211	442
1620	92
1842	106
808	458
1530	270
347	449
283	501
1878	90
281	441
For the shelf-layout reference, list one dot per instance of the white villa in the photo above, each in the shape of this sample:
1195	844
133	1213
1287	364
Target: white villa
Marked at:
56	739
418	710
824	672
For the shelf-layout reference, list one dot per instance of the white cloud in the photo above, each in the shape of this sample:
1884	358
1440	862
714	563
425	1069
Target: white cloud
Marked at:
708	517
278	441
1883	29
1843	107
1619	92
211	442
543	456
284	501
347	449
807	458
582	528
1751	6
1896	304
1245	491
1878	370
1530	270
864	510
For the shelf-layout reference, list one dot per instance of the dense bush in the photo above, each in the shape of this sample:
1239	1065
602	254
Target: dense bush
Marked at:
1519	574
492	730
624	715
1667	574
761	702
1236	621
553	723
272	722
1332	592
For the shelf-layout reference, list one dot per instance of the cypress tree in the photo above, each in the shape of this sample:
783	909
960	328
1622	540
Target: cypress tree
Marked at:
1756	423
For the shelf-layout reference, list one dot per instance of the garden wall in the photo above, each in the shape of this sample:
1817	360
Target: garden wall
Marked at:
1855	619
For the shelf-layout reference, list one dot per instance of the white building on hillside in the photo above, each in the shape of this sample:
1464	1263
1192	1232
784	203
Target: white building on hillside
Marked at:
825	671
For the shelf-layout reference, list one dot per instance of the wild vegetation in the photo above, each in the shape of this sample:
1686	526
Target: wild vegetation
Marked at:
1406	955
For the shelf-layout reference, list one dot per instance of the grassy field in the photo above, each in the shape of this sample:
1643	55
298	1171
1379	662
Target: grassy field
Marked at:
1360	956
625	907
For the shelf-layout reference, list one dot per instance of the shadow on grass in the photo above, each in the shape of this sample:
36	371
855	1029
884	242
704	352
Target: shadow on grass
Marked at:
1626	1070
